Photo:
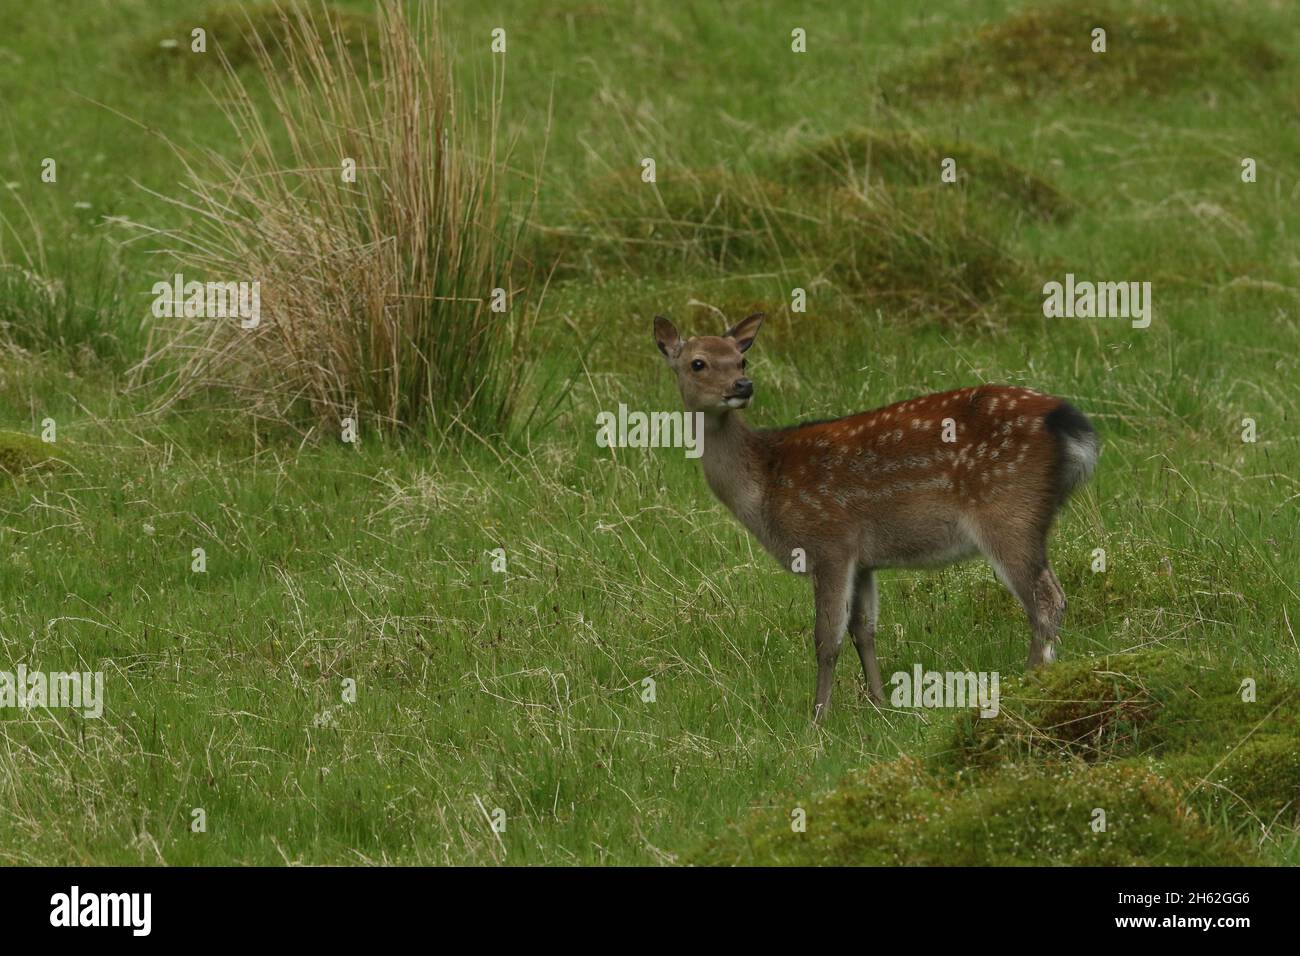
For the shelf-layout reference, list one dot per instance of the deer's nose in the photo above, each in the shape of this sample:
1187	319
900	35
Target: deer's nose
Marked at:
742	388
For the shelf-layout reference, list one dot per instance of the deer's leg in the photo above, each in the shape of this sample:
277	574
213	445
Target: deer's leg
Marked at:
862	625
1020	562
1051	606
832	588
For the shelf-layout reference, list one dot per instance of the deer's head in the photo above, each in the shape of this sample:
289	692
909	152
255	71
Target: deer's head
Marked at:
710	369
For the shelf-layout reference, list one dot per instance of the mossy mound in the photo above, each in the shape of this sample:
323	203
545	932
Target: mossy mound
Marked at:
923	255
1149	50
1122	705
902	814
1087	709
21	453
919	254
1164	743
1186	718
236	28
893	159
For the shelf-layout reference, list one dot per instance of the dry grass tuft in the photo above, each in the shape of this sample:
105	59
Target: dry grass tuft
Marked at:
375	293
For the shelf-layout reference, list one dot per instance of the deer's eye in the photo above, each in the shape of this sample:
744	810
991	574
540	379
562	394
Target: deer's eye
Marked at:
698	365
743	363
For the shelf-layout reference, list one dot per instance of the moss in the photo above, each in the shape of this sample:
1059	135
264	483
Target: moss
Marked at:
1145	704
901	813
20	453
1043	50
1161	741
1086	709
235	28
897	159
1239	759
1256	784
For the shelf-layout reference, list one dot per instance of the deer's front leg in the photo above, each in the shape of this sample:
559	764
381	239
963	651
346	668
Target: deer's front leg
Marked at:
831	592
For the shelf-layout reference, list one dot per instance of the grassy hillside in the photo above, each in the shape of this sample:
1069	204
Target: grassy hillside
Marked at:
478	690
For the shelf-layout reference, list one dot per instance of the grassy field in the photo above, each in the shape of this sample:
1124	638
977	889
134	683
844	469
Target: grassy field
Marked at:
521	691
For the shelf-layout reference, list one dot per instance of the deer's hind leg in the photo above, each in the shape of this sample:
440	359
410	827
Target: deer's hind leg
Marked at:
862	625
1019	558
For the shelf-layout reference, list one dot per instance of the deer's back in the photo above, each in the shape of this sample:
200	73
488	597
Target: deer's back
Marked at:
907	483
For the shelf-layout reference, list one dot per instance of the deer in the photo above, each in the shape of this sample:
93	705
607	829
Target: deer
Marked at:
921	483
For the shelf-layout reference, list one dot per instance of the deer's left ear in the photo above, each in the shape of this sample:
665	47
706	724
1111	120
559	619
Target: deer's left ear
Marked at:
745	331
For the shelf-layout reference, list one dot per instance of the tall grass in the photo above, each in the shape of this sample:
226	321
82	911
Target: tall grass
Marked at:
375	294
76	310
68	298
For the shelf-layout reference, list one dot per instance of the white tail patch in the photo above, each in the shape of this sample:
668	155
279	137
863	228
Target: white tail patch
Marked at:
1080	457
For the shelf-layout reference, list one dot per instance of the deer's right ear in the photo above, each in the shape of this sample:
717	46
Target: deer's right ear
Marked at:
667	338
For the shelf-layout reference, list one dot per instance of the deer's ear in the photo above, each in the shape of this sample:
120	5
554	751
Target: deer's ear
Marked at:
667	338
745	331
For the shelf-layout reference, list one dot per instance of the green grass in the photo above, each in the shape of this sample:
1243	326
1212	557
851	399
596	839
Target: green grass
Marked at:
523	690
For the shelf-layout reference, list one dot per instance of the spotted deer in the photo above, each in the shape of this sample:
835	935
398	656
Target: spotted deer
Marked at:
921	483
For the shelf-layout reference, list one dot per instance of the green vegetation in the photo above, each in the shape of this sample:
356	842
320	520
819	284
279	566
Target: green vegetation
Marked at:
865	159
328	562
921	254
1150	50
1189	766
20	453
245	33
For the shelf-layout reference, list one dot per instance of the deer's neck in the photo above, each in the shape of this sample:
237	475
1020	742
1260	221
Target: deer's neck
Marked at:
733	466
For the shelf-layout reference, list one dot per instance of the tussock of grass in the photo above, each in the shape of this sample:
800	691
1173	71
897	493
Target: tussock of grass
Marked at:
1046	50
20	453
241	31
863	159
916	254
709	218
375	293
1161	742
69	301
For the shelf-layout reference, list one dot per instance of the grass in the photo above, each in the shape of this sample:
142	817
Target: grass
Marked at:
921	253
523	690
235	28
896	814
865	159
